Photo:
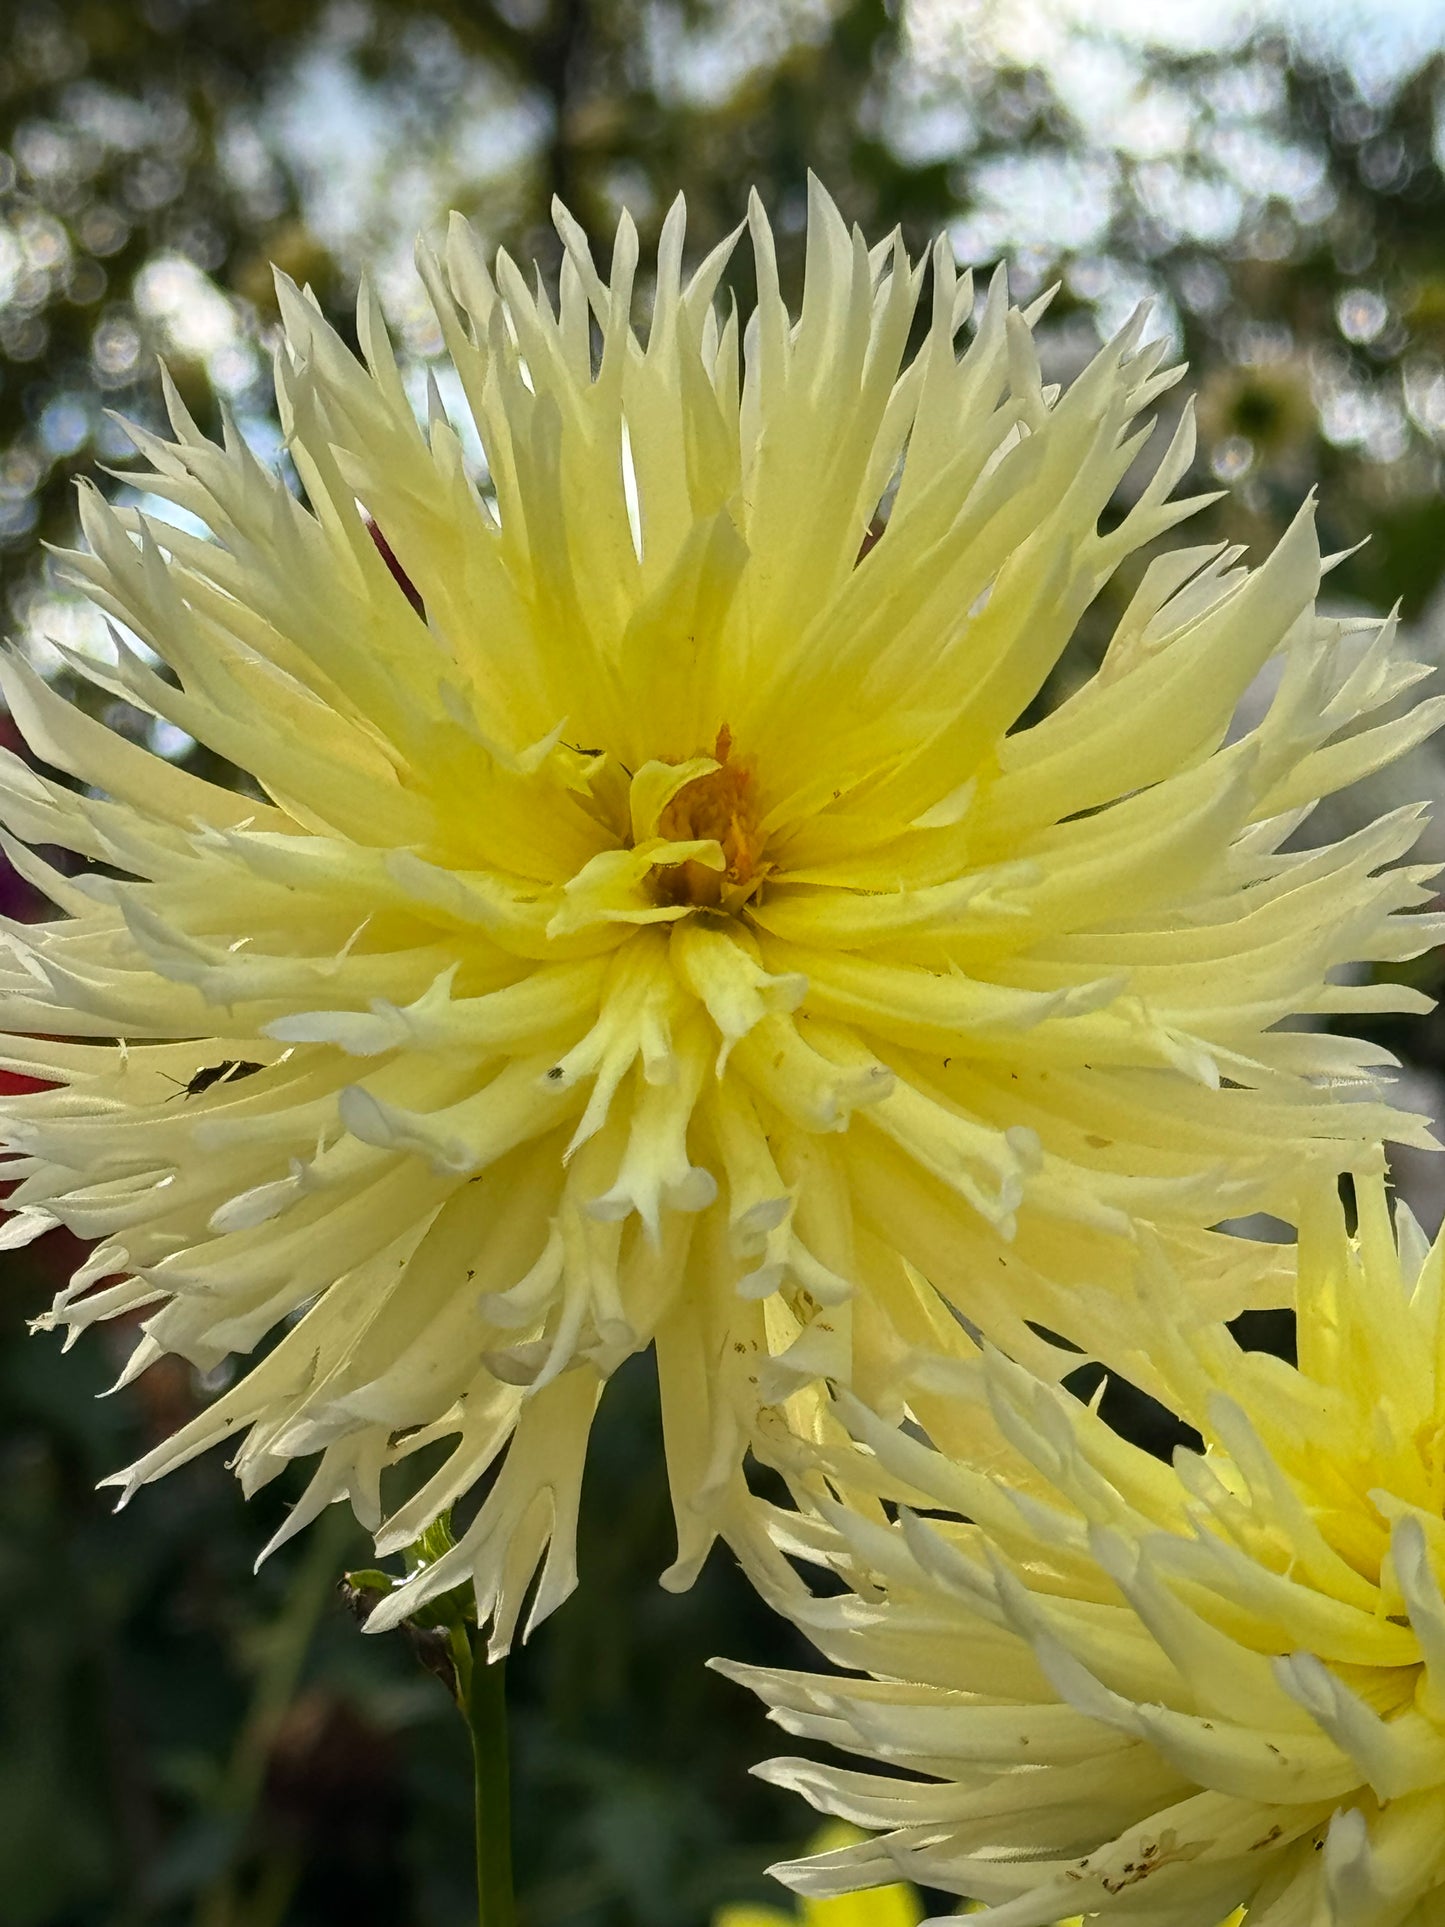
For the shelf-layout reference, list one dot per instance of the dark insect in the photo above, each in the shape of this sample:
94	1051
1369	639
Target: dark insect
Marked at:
226	1072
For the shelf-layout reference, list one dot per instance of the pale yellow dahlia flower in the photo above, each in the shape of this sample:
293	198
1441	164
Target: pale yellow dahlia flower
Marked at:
651	921
1153	1692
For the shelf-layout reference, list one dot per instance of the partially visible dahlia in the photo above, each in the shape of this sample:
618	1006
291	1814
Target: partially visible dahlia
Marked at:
1154	1693
652	921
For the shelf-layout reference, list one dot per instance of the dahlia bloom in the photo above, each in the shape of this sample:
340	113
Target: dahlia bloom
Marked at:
651	920
1156	1693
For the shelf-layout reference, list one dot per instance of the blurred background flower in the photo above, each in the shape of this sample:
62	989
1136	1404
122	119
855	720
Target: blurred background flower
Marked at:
180	1738
898	1906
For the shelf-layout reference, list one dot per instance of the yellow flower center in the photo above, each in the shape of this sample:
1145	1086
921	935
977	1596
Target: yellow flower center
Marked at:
721	807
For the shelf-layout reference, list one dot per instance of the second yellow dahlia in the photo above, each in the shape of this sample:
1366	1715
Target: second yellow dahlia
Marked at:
1150	1692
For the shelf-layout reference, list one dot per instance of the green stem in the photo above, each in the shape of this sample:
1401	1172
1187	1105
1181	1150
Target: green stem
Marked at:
482	1695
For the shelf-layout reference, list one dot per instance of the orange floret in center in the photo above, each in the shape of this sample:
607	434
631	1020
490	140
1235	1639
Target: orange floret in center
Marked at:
723	806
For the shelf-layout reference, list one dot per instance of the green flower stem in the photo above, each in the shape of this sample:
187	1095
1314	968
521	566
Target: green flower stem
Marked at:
454	1649
482	1697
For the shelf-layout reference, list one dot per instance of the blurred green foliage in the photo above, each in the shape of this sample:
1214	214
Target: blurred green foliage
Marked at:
184	1742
